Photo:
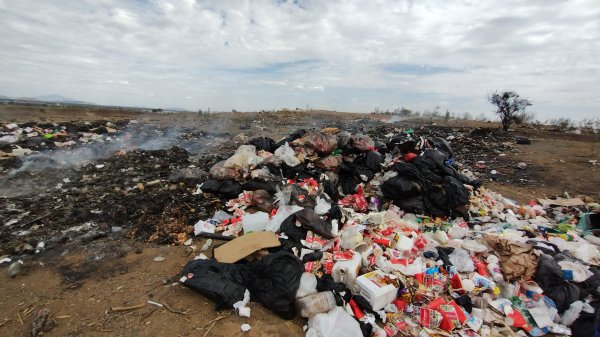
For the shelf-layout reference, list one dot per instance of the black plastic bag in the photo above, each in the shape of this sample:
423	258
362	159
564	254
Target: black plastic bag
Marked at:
263	143
255	184
348	183
311	221
222	283
412	204
397	188
297	134
458	196
293	232
273	281
549	276
227	188
436	201
409	170
364	173
373	160
403	143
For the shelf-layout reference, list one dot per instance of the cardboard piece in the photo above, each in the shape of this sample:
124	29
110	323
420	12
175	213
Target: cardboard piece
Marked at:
245	245
562	202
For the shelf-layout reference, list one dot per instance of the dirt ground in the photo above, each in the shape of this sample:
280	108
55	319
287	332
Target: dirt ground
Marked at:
80	284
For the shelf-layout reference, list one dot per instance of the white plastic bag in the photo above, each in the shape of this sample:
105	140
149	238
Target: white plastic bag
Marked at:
336	323
255	222
322	206
462	261
244	158
287	154
308	285
283	212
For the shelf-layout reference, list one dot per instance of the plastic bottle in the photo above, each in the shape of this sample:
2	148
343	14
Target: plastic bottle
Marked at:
316	304
347	271
494	268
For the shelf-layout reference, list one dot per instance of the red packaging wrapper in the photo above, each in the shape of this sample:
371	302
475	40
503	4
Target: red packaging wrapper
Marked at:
343	256
400	325
387	232
518	320
419	277
390	330
311	266
403	262
400	304
480	266
372	259
420	242
456	283
383	242
328	266
450	320
460	312
433	305
425	317
359	314
410	156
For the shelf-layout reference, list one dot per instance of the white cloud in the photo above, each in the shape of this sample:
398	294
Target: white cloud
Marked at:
346	55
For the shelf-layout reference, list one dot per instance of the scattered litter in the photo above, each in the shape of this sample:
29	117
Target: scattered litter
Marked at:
159	259
246	327
15	268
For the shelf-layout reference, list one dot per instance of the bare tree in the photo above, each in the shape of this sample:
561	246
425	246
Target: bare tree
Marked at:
511	107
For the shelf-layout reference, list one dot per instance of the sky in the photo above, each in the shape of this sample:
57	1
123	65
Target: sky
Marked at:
337	55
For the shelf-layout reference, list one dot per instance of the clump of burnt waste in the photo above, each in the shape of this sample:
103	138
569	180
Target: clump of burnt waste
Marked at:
76	182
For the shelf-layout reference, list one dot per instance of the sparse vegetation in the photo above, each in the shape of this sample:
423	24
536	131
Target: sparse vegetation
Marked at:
511	108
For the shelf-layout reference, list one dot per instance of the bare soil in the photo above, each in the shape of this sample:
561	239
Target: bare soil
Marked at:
80	284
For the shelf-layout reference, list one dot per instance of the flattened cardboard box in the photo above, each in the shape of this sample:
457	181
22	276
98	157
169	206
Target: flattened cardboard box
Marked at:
245	245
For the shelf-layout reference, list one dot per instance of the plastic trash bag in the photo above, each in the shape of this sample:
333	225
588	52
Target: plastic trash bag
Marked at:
320	142
287	155
227	188
462	261
336	323
549	276
263	174
362	142
322	206
343	138
331	163
273	281
310	220
255	222
398	188
244	158
373	160
220	172
283	212
263	143
308	285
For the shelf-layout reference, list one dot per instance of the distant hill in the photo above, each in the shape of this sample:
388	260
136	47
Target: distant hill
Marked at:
53	98
177	109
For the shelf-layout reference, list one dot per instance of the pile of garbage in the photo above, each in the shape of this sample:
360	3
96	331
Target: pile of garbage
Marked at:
19	140
389	237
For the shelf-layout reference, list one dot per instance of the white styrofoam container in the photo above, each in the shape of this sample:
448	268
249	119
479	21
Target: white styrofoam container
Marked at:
378	294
